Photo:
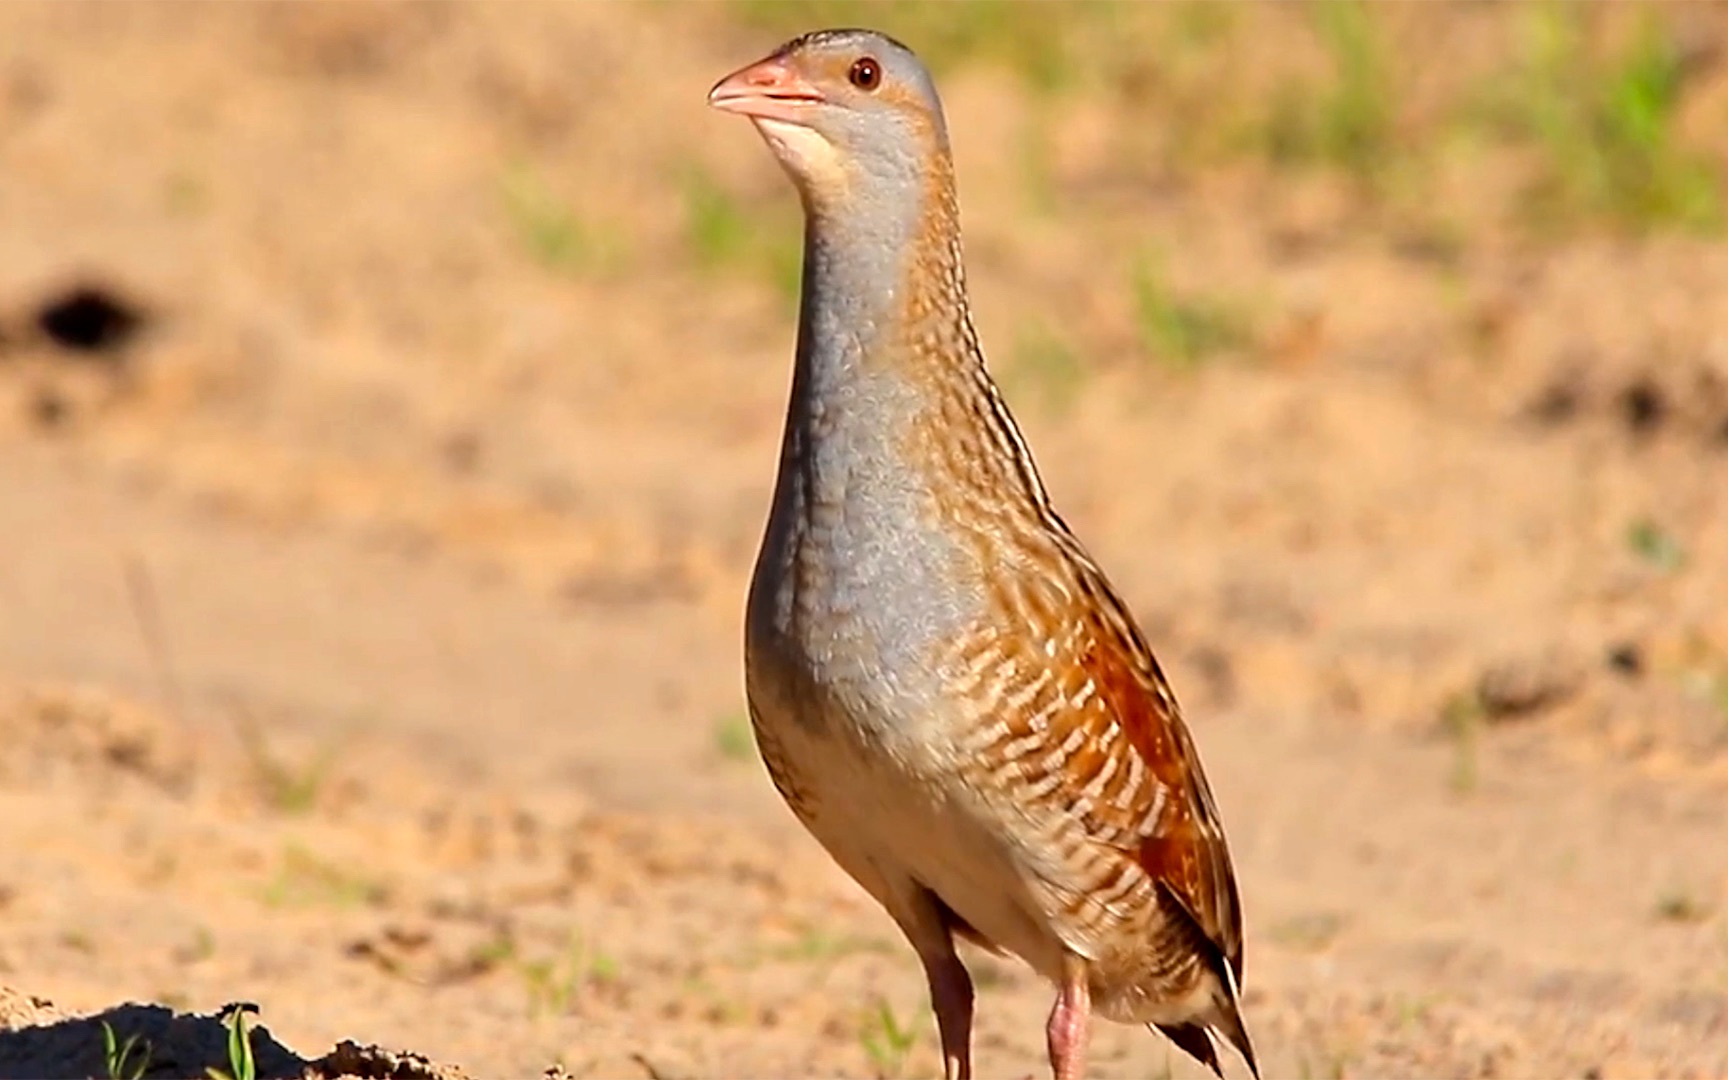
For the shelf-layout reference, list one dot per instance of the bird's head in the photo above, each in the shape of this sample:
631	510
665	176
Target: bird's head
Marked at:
850	113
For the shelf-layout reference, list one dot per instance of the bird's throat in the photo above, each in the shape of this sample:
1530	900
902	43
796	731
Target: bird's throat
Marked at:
883	289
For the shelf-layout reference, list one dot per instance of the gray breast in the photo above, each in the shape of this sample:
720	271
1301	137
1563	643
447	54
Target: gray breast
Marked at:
855	587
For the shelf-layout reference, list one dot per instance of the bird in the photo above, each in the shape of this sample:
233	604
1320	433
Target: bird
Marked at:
943	686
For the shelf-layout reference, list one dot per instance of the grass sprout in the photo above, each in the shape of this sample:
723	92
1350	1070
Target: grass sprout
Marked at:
126	1059
886	1040
1655	545
1182	331
1606	128
733	737
1462	717
550	230
289	788
241	1065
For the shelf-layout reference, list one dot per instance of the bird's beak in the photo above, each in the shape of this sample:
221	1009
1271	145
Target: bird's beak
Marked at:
768	89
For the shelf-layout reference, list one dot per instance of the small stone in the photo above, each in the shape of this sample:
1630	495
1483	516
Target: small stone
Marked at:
1523	687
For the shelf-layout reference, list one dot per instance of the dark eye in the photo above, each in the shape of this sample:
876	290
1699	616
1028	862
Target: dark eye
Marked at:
866	73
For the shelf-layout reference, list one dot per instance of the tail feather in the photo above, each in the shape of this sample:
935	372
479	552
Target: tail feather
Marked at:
1228	1023
1224	1018
1197	1041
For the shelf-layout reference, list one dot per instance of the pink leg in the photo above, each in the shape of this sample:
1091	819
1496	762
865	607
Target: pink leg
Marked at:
1069	1019
951	998
926	924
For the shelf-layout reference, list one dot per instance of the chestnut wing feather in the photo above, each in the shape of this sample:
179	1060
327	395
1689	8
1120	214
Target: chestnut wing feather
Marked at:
1082	713
1182	845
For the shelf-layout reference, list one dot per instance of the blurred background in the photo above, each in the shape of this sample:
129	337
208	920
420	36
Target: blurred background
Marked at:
389	403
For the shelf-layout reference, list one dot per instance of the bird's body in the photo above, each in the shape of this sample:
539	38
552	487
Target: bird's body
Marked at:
943	685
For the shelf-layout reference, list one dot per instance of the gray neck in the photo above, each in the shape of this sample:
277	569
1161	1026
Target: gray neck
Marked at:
847	570
856	269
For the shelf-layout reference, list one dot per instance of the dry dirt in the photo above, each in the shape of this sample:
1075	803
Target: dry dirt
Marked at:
369	613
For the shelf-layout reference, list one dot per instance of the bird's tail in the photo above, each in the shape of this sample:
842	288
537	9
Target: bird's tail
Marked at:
1223	1019
1222	1014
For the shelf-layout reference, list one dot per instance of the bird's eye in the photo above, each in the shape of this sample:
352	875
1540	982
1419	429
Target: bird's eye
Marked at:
866	73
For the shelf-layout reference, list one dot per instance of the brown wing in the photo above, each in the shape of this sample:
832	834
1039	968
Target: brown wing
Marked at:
1181	843
1072	705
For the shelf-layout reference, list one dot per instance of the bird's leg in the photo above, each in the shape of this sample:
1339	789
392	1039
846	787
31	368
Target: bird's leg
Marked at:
926	927
951	997
1069	1018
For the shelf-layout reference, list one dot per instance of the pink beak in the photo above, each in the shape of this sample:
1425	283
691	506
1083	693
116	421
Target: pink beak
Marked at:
768	89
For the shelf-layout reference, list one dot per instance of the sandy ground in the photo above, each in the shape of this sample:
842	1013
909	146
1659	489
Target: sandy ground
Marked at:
369	619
